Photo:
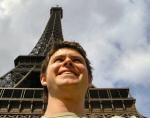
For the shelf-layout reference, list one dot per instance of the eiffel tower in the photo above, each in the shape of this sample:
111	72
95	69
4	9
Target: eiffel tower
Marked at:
21	94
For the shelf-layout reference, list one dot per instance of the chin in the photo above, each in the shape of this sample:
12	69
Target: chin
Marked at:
71	81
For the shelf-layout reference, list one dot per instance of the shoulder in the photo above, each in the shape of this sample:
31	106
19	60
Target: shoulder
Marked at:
64	115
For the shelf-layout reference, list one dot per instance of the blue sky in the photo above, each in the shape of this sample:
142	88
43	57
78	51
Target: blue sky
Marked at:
115	34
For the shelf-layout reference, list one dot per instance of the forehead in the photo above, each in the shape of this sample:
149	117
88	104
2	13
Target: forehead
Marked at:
66	51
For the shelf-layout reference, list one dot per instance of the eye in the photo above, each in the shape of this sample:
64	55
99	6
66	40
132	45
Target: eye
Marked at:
77	60
58	60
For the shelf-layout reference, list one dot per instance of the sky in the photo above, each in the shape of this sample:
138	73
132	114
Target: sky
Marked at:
115	34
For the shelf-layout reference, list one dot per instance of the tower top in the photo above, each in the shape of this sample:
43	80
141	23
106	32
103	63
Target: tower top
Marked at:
52	33
56	9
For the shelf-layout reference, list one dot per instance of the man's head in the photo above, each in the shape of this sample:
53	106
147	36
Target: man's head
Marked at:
65	60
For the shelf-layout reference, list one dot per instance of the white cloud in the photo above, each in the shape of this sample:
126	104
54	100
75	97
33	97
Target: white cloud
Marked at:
133	68
6	6
112	43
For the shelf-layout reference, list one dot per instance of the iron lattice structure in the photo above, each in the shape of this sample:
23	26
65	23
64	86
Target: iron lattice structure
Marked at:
21	94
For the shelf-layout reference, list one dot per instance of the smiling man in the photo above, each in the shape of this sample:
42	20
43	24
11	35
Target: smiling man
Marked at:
66	75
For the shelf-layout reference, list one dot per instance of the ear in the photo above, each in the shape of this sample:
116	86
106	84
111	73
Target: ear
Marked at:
90	85
90	81
43	79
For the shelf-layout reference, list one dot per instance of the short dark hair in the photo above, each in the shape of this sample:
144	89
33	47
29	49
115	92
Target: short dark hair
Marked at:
66	44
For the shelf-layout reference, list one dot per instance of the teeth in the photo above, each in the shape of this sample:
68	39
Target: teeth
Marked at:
70	73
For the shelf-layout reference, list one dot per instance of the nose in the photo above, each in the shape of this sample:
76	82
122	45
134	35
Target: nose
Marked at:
68	62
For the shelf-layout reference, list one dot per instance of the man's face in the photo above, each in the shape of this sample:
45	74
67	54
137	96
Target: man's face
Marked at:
66	70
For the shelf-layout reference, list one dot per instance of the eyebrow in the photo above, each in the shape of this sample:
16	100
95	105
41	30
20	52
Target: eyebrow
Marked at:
72	56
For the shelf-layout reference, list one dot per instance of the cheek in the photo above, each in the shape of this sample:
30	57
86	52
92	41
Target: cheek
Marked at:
51	74
83	69
56	68
52	69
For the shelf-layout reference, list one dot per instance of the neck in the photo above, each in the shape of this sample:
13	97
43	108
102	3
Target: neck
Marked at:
56	106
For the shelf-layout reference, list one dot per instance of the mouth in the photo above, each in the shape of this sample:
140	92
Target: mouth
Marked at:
68	72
